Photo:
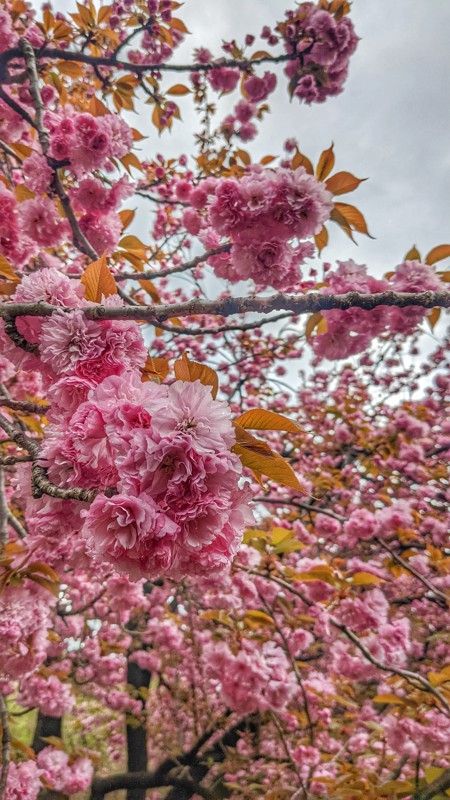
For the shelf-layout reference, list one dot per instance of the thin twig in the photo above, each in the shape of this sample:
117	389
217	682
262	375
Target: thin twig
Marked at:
138	276
3	513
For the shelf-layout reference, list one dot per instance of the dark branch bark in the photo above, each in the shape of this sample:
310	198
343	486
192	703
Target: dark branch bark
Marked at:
53	53
45	726
297	304
437	787
137	734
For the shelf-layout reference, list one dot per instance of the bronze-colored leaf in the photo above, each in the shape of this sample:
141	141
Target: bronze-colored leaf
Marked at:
178	24
433	317
340	220
155	369
300	160
126	217
187	370
354	218
7	271
178	90
326	164
321	239
343	182
98	280
257	456
259	419
312	322
438	254
413	254
148	287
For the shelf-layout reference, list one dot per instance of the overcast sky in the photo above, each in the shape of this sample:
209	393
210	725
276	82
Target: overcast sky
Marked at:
391	123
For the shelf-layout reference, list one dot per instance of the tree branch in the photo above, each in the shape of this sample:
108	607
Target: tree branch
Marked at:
53	53
3	513
297	304
139	276
6	747
142	780
437	787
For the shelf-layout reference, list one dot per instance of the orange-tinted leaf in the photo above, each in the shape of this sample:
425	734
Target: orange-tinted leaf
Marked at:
258	457
243	156
413	254
178	90
7	271
343	182
259	419
147	286
365	579
104	13
267	160
187	370
438	254
44	569
300	160
155	368
131	243
387	699
325	165
321	239
354	218
23	193
126	217
22	150
340	220
97	108
259	618
131	160
251	443
260	54
433	317
98	280
178	24
312	323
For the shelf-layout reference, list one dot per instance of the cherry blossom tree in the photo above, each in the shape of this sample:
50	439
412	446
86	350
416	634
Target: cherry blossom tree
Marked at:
224	555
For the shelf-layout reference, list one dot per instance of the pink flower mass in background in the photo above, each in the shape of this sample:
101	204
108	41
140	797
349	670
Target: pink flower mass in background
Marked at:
224	554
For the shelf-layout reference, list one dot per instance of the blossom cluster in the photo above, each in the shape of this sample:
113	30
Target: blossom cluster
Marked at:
323	45
53	768
166	450
262	214
351	331
246	683
25	616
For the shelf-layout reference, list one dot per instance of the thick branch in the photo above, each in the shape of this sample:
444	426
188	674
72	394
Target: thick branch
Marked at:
437	787
23	405
297	304
142	780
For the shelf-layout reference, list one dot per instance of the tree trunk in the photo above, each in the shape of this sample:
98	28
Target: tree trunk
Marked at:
137	735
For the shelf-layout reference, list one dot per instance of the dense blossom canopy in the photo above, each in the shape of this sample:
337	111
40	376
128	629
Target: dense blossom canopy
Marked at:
224	554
